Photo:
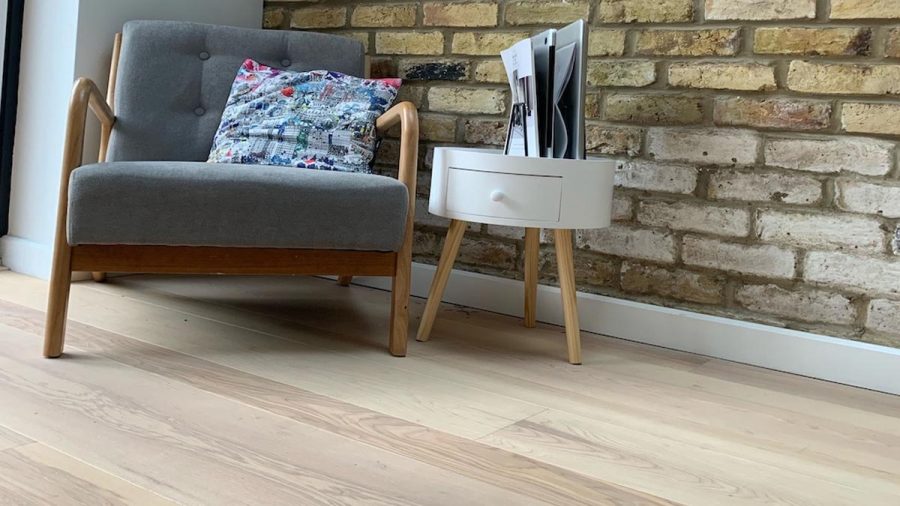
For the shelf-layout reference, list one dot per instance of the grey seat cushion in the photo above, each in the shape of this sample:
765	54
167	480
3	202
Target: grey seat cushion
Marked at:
203	204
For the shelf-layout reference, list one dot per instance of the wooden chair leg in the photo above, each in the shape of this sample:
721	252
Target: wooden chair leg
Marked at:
399	314
441	275
58	302
99	277
565	260
532	244
345	280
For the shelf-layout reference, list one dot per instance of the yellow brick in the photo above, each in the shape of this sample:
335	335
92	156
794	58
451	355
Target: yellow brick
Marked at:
635	73
319	17
863	9
273	18
437	127
485	131
432	127
780	113
844	78
360	36
394	15
645	11
871	118
813	41
411	93
541	12
613	140
654	109
491	71
606	42
714	42
892	48
760	9
485	43
459	14
466	100
425	43
723	76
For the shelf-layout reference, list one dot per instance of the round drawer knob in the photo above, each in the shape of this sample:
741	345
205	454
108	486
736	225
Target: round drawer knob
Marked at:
497	195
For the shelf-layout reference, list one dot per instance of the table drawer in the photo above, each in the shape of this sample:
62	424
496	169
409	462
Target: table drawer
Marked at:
504	195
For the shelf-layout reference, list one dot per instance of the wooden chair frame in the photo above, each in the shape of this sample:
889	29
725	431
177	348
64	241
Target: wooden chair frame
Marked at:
219	260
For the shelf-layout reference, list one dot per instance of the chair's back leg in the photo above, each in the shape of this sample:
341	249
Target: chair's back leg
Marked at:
345	280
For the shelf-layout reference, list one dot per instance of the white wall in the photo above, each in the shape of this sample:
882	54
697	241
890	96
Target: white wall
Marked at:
46	71
62	40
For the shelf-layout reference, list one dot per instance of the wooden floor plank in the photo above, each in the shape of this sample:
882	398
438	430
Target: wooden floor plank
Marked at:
852	442
693	471
838	430
199	448
635	424
323	361
37	474
471	460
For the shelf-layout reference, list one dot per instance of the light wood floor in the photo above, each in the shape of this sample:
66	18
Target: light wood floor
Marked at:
280	391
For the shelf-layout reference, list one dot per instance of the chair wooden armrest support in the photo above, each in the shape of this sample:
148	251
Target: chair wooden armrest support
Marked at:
100	258
405	114
85	95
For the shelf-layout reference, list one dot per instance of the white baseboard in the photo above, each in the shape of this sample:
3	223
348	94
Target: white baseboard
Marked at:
828	358
31	258
28	257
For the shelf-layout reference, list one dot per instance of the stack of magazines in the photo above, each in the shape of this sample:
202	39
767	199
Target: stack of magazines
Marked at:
547	78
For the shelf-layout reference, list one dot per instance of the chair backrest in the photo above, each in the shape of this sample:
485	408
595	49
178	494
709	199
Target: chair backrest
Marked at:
174	78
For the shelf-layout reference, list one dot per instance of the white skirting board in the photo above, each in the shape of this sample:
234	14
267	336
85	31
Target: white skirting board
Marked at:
828	358
28	257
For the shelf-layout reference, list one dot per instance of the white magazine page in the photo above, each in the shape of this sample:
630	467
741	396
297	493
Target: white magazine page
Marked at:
519	63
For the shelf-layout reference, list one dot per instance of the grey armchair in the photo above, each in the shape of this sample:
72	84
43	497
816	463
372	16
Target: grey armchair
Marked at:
154	206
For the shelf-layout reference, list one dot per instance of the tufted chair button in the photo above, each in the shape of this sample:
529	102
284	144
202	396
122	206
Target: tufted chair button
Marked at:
199	111
285	63
204	55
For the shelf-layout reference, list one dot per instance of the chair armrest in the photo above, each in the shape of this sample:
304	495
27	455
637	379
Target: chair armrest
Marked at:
406	115
85	95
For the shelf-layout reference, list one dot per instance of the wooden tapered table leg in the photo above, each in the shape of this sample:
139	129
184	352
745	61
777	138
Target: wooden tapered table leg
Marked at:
441	275
566	261
532	243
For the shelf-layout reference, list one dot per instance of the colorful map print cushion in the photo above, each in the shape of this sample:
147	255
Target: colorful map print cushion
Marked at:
314	120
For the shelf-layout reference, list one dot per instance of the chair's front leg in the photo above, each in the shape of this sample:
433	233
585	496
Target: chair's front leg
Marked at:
406	115
58	301
400	299
84	95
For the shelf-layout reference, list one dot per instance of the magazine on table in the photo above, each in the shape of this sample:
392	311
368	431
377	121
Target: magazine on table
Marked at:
546	76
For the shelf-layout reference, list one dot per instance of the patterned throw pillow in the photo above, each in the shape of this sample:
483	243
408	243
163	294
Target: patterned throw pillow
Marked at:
315	120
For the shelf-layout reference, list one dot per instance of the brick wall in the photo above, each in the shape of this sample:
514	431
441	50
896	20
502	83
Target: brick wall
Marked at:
757	139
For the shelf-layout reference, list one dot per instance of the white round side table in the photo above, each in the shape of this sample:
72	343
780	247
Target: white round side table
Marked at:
486	186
